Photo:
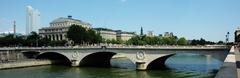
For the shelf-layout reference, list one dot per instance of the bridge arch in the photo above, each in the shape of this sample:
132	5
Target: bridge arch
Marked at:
103	59
97	59
55	57
159	63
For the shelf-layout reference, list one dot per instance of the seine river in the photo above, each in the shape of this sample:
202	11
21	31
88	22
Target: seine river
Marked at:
181	66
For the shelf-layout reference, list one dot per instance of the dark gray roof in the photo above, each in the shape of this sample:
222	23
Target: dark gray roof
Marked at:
104	29
63	19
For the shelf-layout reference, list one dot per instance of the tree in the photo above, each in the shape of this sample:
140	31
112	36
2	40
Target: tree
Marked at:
93	37
166	40
202	41
194	42
220	42
77	34
182	41
80	35
10	40
44	42
32	39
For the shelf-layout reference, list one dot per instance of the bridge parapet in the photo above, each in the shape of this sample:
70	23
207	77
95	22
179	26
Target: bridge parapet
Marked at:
120	47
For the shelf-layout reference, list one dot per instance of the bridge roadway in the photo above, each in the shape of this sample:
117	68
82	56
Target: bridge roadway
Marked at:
144	57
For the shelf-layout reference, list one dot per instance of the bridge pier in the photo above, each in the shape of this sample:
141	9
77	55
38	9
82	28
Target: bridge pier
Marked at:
75	63
141	65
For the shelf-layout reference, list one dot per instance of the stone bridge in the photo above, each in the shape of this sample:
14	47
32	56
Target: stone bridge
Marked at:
100	56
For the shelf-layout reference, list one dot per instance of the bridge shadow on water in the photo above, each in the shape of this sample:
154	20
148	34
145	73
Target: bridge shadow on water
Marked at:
99	59
56	58
159	63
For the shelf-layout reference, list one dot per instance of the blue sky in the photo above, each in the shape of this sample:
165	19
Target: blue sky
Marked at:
193	19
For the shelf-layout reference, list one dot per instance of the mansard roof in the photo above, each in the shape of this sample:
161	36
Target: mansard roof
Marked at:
64	19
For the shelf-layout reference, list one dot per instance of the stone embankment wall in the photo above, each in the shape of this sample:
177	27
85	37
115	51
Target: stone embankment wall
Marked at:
26	63
8	56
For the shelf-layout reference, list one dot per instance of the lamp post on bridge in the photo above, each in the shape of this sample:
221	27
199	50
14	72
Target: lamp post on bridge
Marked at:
227	38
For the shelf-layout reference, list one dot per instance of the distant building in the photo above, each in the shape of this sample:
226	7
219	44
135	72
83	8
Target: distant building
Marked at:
125	35
237	35
168	34
150	34
59	27
109	34
32	20
160	35
3	34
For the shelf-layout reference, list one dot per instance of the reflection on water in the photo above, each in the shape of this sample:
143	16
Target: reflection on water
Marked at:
181	66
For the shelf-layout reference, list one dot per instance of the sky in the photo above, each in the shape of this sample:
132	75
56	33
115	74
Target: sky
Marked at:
192	19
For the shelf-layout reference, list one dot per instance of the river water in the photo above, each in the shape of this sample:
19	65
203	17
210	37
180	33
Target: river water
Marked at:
181	66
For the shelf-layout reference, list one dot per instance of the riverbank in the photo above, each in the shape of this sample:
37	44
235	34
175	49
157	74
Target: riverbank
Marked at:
26	63
229	69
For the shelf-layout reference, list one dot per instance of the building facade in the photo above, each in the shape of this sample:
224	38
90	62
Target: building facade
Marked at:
109	34
168	34
150	34
237	35
59	27
32	20
125	35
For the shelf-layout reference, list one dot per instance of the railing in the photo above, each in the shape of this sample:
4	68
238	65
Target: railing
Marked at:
124	46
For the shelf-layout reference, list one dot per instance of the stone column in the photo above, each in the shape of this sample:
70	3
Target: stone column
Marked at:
58	35
75	63
52	37
141	65
63	37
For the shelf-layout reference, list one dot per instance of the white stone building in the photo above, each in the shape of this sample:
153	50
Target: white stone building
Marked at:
106	34
32	20
109	34
59	27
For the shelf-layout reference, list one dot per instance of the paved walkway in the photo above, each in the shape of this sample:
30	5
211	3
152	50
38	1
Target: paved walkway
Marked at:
237	53
228	70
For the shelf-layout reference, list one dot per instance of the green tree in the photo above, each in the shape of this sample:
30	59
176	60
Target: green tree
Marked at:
220	42
77	34
32	39
44	42
182	41
10	40
166	40
93	37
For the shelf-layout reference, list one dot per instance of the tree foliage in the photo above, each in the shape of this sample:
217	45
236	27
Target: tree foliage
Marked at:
80	35
182	41
201	42
146	40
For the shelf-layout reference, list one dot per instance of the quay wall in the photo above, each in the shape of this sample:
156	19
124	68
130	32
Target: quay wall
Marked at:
229	69
28	63
6	56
